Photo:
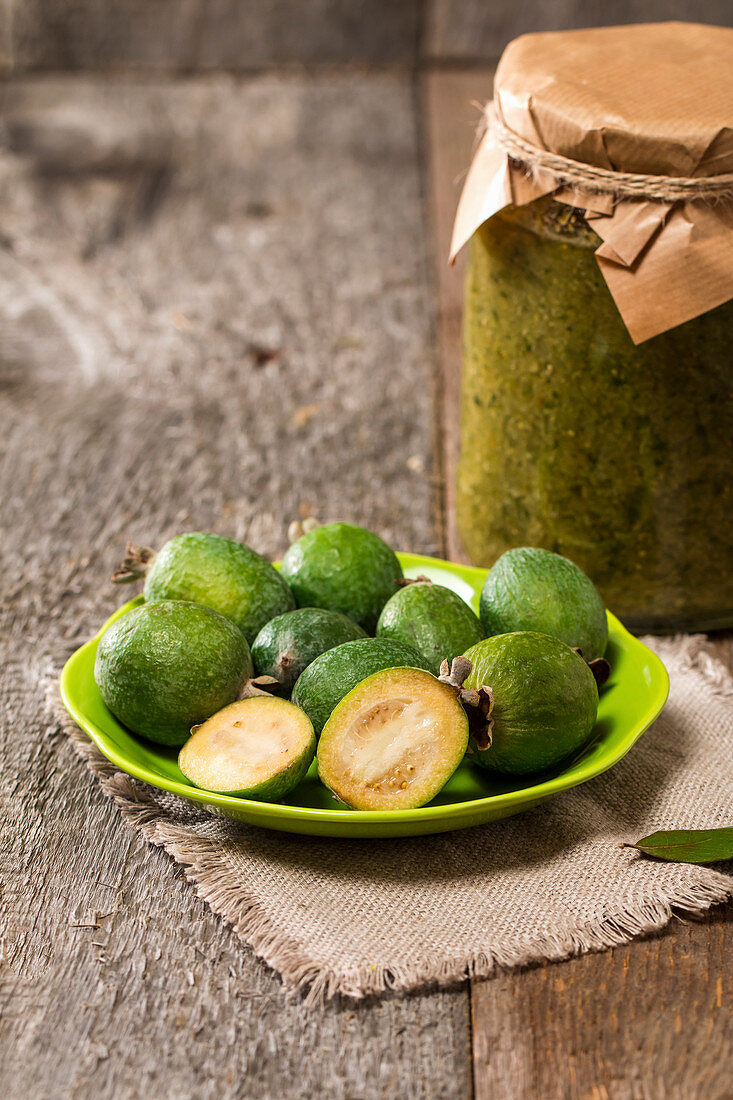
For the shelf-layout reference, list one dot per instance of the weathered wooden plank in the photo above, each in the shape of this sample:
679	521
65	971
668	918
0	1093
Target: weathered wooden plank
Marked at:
449	101
5	37
216	329
651	1019
472	30
646	1020
190	35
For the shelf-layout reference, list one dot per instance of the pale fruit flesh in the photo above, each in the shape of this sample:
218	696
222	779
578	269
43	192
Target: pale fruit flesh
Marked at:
393	742
258	747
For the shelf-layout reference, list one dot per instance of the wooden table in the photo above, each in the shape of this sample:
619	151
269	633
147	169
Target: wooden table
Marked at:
224	304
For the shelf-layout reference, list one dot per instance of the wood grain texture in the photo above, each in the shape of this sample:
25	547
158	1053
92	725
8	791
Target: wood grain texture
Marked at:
5	37
450	116
213	314
196	35
476	31
647	1021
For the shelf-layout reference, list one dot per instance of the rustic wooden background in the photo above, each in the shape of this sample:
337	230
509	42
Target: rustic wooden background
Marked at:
224	303
183	36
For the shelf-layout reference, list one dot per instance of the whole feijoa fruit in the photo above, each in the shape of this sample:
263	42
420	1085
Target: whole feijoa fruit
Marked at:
259	747
166	666
393	742
326	680
533	589
343	568
545	700
288	643
215	572
432	619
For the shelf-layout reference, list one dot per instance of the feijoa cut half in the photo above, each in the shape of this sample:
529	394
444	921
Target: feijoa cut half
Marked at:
343	568
289	643
215	572
259	747
431	618
393	742
166	666
529	588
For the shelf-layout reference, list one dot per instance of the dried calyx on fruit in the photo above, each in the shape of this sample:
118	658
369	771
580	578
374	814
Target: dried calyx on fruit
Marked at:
134	565
300	527
600	667
478	702
259	685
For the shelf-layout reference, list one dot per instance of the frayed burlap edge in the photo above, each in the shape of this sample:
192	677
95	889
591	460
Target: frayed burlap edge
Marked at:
207	868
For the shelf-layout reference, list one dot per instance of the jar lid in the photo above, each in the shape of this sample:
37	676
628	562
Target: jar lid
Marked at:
634	126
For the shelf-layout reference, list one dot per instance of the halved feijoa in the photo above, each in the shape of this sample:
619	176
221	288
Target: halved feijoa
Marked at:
393	742
215	572
288	643
326	680
256	748
533	589
544	700
165	666
343	568
432	619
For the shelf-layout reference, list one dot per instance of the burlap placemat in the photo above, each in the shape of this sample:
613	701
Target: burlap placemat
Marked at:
357	917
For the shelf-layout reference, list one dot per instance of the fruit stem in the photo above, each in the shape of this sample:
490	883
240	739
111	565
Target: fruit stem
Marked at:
403	582
298	528
255	687
454	673
134	565
477	702
600	667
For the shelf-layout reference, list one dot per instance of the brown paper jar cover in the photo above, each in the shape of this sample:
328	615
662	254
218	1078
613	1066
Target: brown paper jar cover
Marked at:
652	99
572	438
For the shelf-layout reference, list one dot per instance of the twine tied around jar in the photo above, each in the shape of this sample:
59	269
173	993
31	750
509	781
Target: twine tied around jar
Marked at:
656	97
623	185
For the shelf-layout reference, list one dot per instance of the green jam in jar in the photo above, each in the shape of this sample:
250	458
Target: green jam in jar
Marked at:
618	456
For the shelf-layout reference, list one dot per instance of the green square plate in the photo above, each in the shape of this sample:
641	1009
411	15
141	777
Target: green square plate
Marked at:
630	701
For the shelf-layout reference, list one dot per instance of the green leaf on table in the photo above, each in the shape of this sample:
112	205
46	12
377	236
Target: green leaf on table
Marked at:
688	845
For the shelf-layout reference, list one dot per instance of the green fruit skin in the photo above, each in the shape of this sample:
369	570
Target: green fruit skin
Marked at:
545	700
331	676
433	620
167	666
285	781
532	589
289	643
343	568
222	574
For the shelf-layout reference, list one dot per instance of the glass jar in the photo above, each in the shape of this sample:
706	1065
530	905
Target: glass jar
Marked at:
618	456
